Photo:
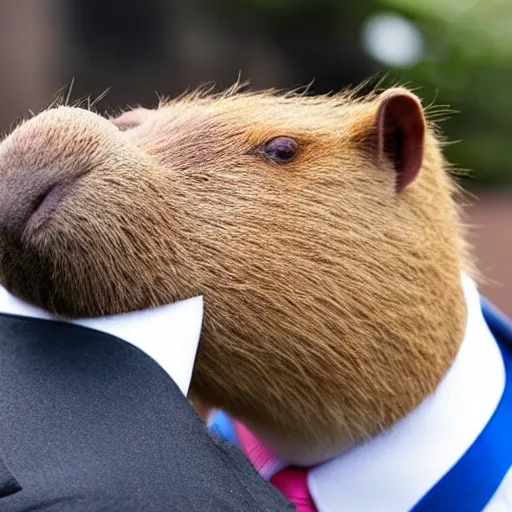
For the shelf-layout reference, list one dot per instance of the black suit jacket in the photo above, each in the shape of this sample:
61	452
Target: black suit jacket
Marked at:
90	423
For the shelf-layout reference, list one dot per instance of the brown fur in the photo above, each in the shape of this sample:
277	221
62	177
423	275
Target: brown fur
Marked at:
333	303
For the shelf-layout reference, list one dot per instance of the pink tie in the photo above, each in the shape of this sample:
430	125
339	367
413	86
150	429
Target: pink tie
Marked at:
292	482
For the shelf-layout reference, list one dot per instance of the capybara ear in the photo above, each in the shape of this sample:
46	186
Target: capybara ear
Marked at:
401	131
132	118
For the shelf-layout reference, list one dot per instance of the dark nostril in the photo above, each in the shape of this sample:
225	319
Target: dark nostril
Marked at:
26	202
45	204
39	200
40	161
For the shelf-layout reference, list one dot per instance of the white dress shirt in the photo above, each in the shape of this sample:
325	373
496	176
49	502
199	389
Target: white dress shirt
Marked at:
168	334
393	471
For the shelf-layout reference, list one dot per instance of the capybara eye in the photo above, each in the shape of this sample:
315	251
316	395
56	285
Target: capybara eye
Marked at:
281	149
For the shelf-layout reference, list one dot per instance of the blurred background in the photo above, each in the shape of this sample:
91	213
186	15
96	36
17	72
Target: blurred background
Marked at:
451	52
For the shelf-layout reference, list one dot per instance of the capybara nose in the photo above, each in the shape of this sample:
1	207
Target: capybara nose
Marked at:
26	196
41	160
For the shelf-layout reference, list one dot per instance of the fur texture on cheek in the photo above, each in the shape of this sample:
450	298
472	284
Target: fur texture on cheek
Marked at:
333	303
299	338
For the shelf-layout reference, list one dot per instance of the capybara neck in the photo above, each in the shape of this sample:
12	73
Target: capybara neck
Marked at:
321	231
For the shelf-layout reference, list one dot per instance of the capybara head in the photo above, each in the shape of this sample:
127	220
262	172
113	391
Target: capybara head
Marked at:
321	231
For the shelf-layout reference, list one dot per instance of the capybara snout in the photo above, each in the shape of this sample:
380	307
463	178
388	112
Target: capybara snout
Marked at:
41	160
58	173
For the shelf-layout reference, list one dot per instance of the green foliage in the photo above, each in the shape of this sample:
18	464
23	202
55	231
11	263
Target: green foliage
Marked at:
478	31
468	65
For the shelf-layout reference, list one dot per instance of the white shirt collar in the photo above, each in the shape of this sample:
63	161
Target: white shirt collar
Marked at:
393	471
168	334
